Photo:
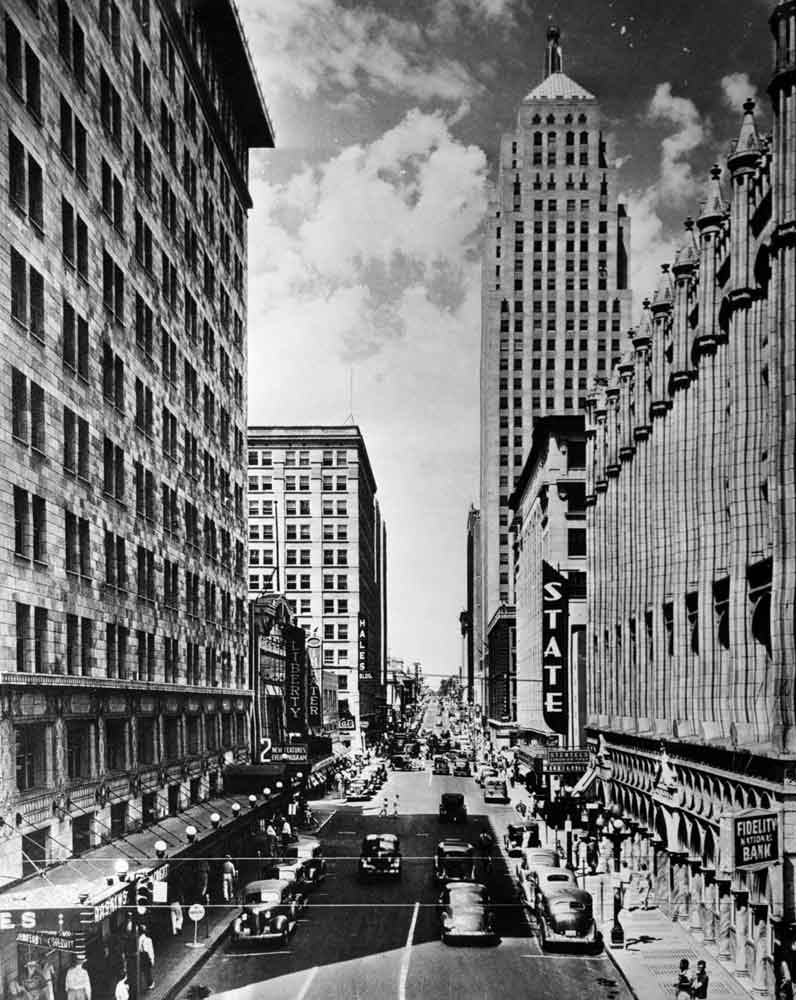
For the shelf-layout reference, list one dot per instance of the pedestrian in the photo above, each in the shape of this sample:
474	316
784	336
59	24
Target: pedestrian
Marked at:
270	838
122	991
48	978
699	984
645	887
383	810
146	958
228	875
287	835
77	983
395	806
175	911
18	991
682	988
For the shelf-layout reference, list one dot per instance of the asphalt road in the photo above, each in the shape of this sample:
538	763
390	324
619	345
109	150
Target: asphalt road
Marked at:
381	940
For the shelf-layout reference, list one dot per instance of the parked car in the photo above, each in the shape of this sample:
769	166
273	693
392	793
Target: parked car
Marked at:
452	808
270	912
484	772
309	851
520	835
398	762
564	916
541	879
380	856
495	790
454	861
461	767
537	857
441	765
466	914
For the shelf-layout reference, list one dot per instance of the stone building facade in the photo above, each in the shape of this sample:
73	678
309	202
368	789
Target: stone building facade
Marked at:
549	527
692	526
316	534
123	257
555	301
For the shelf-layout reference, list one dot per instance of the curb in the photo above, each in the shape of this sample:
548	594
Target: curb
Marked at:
201	959
609	952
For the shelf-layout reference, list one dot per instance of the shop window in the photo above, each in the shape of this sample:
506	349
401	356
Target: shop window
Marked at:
116	745
81	835
193	790
146	740
118	819
78	751
171	733
148	810
174	799
31	757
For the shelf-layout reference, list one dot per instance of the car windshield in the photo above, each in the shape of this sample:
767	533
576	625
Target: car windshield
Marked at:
559	878
263	896
452	799
382	845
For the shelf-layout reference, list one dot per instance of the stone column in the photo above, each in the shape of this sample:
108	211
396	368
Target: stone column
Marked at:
697	884
680	898
741	931
725	921
762	953
709	900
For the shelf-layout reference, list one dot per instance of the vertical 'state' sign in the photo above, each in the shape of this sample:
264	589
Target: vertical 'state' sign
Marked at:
555	630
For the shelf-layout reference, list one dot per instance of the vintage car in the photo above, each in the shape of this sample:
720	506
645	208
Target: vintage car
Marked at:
537	857
359	791
564	916
454	861
452	808
398	762
270	912
309	852
541	879
520	835
495	790
380	856
441	765
461	767
466	914
484	772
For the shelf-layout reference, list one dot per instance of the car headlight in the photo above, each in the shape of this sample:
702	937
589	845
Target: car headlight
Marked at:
267	914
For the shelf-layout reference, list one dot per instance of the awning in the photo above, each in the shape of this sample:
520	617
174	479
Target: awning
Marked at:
90	882
585	782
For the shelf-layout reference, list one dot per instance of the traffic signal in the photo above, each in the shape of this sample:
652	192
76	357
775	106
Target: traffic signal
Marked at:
143	893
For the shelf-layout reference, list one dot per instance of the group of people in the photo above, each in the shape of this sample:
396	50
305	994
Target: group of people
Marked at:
384	810
691	986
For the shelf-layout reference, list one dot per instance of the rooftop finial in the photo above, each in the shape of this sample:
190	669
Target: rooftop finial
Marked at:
553	60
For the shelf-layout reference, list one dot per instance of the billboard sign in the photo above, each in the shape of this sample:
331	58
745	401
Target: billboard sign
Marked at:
555	642
362	649
756	839
294	678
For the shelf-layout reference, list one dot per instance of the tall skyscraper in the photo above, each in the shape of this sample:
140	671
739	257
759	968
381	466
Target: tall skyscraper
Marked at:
124	165
555	299
316	534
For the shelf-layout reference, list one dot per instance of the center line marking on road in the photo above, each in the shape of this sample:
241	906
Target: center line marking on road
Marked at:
407	954
307	983
322	824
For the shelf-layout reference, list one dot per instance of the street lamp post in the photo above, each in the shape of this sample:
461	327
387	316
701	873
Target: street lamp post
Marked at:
617	831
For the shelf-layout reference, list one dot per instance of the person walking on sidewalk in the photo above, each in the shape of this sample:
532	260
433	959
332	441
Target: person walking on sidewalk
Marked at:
682	988
645	887
77	982
175	911
146	959
699	984
122	991
395	806
228	875
287	835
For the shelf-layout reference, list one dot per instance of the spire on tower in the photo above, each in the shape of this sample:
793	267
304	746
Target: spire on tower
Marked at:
553	59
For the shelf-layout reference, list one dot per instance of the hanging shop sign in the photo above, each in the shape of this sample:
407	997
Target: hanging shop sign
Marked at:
314	707
362	649
567	761
51	940
294	678
346	725
12	919
756	839
555	631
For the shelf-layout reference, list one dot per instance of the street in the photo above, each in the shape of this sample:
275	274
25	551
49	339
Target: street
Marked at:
381	940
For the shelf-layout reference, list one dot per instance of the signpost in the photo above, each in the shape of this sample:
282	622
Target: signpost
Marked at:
196	912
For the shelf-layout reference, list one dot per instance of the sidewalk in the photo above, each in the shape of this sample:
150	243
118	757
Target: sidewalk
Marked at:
177	964
654	945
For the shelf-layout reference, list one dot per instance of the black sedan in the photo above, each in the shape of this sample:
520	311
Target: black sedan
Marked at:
466	914
380	856
454	861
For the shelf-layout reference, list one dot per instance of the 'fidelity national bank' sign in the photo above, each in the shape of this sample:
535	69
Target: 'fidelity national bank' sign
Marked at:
756	839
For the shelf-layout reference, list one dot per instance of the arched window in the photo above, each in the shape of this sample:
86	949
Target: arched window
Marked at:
537	138
570	138
582	119
584	137
536	120
551	119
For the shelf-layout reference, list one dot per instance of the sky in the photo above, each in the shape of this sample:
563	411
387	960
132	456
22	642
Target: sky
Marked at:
364	239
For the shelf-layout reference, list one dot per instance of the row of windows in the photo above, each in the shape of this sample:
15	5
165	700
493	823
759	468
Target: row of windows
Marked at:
294	508
303	581
299	484
34	746
301	458
129	654
298	557
298	532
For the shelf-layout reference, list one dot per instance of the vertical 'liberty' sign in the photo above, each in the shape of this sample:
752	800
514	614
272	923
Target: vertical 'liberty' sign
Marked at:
555	630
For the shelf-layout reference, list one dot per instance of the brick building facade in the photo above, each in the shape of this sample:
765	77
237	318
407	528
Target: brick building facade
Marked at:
123	257
692	526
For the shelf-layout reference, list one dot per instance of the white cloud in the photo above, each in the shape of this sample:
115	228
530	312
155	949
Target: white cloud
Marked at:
651	244
737	88
676	177
307	47
369	264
